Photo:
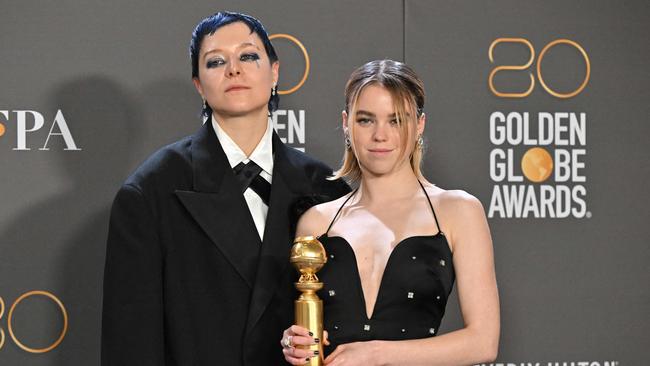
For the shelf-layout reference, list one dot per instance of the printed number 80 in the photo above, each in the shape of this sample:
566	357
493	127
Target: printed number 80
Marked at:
539	68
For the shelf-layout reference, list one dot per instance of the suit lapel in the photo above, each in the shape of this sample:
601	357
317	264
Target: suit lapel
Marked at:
217	205
289	183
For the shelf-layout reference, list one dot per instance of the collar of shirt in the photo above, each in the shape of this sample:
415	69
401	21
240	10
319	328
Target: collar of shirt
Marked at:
262	155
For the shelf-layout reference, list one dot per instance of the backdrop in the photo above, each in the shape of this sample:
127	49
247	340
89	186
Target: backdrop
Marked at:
537	108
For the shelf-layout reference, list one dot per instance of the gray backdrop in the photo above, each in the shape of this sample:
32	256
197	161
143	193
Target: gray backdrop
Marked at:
573	289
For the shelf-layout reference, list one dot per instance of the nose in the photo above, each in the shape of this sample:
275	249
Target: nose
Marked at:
234	68
381	132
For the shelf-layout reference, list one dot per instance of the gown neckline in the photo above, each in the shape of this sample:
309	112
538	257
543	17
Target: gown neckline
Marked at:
386	268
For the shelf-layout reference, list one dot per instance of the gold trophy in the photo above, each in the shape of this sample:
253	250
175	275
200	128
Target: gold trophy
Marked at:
308	256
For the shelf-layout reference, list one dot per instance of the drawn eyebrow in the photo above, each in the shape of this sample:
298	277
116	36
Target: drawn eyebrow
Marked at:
242	45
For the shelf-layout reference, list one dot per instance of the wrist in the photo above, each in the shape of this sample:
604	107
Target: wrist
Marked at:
379	351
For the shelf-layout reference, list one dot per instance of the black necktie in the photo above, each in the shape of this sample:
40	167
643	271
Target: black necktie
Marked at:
249	177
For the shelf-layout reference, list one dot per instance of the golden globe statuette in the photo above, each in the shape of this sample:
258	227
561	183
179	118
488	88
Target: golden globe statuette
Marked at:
308	256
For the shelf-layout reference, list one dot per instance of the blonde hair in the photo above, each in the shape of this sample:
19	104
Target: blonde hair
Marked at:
407	92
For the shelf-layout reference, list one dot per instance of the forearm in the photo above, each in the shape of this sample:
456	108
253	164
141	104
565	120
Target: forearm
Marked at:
462	347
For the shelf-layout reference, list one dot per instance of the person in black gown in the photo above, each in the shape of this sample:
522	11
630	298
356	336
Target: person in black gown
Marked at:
397	243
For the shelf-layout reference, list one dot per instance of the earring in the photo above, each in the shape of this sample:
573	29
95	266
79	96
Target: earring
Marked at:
274	90
205	105
348	144
420	141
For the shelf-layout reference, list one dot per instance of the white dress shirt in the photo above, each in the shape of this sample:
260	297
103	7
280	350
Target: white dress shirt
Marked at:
262	156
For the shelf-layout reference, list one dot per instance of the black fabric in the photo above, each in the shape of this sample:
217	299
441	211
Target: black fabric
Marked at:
304	203
412	296
249	176
187	281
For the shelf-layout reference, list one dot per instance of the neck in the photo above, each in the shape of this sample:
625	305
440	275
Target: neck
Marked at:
397	185
246	131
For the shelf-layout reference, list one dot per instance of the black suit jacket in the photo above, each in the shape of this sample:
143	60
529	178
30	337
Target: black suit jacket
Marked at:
187	280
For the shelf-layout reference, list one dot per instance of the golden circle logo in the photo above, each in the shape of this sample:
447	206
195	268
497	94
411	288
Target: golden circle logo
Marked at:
305	55
587	65
10	322
537	164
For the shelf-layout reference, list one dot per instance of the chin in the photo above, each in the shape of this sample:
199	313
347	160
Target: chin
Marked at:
375	170
241	110
379	168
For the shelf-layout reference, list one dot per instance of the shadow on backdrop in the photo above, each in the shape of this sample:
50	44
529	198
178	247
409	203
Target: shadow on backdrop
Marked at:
121	128
71	225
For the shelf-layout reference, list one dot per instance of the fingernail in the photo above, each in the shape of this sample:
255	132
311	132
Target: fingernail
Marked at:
316	340
311	334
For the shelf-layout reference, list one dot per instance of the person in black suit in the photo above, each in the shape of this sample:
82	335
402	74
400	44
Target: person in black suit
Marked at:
197	269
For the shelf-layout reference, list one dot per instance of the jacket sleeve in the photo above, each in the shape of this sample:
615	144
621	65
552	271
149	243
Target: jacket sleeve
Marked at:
332	189
337	188
132	315
323	190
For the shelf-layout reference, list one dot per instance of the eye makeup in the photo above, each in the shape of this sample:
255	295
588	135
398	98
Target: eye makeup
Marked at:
251	57
246	57
214	63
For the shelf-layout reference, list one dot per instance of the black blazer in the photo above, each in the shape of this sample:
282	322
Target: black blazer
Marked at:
187	280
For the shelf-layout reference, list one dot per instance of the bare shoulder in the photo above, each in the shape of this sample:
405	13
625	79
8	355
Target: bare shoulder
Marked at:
315	221
453	201
460	213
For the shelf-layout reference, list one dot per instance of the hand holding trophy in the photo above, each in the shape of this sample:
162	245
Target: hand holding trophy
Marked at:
308	256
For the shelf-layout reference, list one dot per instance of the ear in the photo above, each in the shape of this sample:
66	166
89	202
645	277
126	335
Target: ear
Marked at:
275	69
421	122
344	119
197	85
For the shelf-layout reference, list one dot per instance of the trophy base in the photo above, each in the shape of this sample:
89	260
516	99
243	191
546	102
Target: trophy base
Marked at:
309	314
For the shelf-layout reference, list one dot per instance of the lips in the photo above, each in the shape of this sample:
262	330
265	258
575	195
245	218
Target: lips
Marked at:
236	88
380	151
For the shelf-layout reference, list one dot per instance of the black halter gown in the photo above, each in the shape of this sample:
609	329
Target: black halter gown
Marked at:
413	292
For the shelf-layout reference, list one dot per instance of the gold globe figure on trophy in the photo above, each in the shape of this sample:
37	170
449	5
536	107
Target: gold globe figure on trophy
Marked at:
308	256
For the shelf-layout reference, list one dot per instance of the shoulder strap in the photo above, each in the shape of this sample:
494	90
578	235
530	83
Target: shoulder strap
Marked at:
339	210
430	205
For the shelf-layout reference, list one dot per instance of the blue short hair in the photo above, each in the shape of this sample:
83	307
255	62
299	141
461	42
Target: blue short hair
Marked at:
210	25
